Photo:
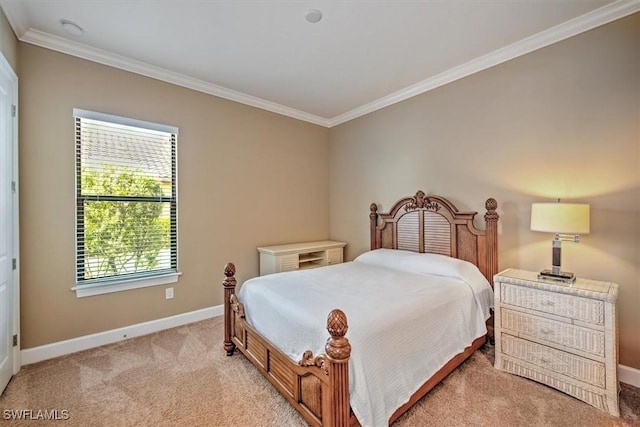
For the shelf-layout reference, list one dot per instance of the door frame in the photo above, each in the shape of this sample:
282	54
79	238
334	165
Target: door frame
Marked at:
6	69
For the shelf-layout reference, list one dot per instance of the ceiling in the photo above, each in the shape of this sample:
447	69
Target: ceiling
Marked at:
361	56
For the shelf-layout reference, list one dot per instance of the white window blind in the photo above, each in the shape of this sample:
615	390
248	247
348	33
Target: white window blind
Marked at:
126	198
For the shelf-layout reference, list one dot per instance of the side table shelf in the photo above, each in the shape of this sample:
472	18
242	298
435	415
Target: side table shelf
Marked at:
296	256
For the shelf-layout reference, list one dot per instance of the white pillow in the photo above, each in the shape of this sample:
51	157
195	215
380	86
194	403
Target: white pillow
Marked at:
414	262
434	264
389	258
441	265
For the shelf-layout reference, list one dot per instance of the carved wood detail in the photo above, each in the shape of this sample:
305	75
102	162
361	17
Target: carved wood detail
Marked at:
309	360
373	222
338	352
388	230
236	306
491	219
318	386
419	201
229	285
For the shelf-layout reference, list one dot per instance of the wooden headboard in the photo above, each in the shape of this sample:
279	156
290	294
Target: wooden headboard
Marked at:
433	224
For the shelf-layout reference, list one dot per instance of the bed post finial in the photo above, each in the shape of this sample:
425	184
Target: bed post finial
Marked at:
338	351
373	219
338	346
229	285
491	220
491	205
229	272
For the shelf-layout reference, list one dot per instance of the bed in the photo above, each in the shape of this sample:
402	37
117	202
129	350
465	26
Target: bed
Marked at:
428	265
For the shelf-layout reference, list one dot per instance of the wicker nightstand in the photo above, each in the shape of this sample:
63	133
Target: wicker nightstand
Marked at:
564	336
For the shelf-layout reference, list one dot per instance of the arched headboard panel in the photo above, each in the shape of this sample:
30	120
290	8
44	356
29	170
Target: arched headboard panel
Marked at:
433	224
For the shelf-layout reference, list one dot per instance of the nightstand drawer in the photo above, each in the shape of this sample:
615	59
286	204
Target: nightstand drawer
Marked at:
557	361
570	306
565	334
593	396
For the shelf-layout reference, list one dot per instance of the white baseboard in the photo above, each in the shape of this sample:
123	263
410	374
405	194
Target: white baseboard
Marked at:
629	375
626	374
49	351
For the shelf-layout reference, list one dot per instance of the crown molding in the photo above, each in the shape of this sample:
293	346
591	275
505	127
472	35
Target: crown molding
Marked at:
59	44
16	16
573	27
604	15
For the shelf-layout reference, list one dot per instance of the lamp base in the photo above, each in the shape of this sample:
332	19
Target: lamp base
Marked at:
563	276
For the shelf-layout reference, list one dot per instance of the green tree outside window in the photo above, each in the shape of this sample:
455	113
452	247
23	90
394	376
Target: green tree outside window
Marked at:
122	237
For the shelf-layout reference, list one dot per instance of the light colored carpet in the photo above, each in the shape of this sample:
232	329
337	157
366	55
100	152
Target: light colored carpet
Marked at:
182	377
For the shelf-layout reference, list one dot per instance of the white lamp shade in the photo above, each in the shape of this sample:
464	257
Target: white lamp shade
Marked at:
563	218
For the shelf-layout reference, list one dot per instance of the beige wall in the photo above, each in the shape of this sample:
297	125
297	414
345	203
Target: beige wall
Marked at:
247	178
8	42
559	122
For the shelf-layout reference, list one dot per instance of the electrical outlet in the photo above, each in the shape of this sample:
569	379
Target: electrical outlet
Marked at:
168	293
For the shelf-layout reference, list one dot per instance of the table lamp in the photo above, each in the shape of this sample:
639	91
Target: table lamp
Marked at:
567	221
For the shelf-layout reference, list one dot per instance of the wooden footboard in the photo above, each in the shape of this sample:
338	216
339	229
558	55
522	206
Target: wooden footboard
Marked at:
317	386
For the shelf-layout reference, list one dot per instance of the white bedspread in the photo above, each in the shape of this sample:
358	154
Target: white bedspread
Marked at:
403	326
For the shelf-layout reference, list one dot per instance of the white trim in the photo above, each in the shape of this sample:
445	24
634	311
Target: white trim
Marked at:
629	375
79	50
604	15
6	68
124	285
16	15
49	351
626	374
16	226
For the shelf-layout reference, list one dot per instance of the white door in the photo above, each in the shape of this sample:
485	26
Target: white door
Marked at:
8	223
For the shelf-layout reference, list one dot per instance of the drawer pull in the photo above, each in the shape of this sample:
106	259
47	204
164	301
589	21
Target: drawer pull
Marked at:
545	360
546	331
549	303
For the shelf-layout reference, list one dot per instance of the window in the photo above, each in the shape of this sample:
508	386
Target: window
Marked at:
126	203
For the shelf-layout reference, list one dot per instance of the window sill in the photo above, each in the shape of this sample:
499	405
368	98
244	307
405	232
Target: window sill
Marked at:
124	285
